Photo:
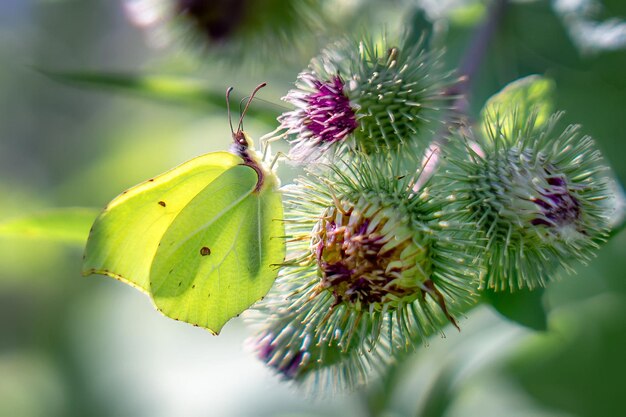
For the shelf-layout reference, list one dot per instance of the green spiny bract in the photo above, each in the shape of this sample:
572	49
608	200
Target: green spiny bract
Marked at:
536	194
372	96
370	257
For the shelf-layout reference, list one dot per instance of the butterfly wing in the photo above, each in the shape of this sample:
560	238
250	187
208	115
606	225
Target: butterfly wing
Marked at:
124	238
220	254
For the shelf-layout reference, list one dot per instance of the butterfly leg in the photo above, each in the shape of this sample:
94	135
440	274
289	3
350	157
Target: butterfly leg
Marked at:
276	157
267	139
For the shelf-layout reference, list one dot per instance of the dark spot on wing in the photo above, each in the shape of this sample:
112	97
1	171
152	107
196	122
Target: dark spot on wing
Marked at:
204	251
162	203
151	180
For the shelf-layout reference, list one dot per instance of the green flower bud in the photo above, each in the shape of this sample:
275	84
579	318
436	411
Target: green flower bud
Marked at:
537	196
293	350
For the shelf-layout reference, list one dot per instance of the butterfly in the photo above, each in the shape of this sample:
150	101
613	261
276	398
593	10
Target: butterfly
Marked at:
203	240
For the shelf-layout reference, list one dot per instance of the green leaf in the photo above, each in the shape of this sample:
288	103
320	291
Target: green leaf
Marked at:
219	255
523	306
124	238
67	225
158	87
510	109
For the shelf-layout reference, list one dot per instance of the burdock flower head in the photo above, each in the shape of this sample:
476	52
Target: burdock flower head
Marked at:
368	255
367	95
238	28
537	195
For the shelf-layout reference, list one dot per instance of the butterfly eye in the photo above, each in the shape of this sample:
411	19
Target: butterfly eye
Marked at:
241	139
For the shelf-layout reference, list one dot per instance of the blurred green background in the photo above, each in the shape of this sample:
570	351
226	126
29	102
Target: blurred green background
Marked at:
74	346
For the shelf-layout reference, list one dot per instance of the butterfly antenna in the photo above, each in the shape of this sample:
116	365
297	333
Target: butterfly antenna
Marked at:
241	106
230	120
245	109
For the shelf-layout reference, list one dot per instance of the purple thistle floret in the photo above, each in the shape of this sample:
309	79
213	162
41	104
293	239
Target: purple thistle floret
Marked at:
330	117
289	368
287	363
558	206
324	116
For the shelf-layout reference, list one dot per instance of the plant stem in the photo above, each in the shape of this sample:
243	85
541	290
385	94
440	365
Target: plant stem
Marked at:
474	56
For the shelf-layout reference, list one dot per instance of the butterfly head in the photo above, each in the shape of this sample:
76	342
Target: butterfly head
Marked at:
242	143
